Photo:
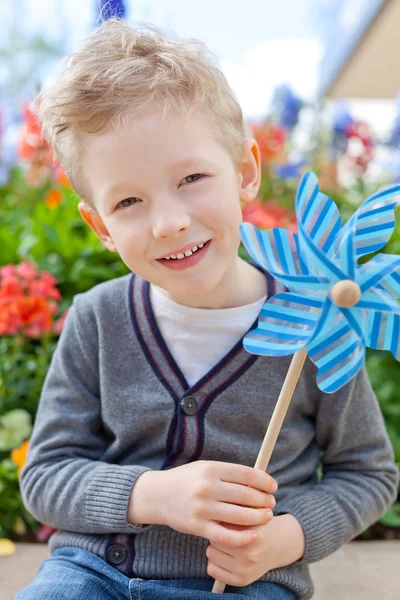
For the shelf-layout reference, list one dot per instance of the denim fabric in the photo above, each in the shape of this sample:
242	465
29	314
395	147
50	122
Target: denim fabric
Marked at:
76	574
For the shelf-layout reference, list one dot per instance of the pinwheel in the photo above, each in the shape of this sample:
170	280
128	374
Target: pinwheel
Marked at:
333	306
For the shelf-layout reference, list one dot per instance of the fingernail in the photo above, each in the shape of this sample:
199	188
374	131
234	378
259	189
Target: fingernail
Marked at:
274	486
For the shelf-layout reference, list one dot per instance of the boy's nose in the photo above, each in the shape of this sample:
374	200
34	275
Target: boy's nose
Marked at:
170	221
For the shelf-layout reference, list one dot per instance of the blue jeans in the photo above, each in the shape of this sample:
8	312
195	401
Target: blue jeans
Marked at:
76	574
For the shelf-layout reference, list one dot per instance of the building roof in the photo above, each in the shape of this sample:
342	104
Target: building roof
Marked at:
364	62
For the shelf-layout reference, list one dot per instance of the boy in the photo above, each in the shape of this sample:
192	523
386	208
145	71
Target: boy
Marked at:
152	413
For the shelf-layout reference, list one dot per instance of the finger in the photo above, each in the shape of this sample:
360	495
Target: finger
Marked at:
244	495
225	549
218	534
221	558
256	478
239	515
222	575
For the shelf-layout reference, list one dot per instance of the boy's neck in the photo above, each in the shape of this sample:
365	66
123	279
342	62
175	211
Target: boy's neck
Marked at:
243	284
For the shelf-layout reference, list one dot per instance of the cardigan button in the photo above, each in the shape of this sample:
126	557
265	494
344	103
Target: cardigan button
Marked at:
189	405
116	554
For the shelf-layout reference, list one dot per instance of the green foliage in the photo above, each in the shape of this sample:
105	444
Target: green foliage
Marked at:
13	515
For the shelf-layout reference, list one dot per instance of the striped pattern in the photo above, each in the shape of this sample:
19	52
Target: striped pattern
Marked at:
319	223
317	214
374	271
276	250
368	229
336	350
383	331
308	264
391	284
285	325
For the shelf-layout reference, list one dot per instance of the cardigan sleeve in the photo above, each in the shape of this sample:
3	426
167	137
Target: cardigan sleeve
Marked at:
360	478
65	483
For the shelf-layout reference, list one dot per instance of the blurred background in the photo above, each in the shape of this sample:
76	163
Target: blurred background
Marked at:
319	84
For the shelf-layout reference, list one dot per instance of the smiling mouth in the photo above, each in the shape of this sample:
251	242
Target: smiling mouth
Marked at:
182	255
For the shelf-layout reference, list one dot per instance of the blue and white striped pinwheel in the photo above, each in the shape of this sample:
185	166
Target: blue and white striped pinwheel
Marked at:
316	265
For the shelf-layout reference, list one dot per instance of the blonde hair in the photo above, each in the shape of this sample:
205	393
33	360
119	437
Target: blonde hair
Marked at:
119	71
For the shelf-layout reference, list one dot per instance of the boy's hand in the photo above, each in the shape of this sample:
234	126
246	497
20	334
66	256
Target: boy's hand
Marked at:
202	497
279	543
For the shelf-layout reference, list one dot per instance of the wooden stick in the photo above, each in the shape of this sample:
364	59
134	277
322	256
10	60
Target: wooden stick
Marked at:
275	424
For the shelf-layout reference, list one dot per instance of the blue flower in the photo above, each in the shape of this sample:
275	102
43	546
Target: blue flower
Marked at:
286	106
290	170
313	265
109	9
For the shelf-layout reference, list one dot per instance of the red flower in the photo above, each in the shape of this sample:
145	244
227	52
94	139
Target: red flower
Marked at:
267	215
28	300
271	141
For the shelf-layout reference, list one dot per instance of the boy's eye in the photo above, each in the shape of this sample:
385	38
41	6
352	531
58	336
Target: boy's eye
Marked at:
192	178
127	202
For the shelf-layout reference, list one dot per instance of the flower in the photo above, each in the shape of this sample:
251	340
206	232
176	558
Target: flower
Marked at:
18	455
33	149
290	170
271	141
313	266
268	214
28	300
53	198
286	106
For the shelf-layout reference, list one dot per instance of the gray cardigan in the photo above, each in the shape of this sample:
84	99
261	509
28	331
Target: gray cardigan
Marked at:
113	406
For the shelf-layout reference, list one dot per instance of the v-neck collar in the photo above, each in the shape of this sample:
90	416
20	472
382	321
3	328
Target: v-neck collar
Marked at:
158	354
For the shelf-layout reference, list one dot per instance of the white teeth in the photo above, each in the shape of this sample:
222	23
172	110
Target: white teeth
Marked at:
186	254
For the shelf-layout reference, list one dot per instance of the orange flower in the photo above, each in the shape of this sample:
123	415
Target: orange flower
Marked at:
18	455
53	198
61	177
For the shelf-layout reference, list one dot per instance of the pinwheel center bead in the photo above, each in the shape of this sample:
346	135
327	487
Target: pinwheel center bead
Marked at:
346	293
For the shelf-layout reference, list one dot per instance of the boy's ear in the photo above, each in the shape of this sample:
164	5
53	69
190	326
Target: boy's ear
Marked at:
96	224
250	171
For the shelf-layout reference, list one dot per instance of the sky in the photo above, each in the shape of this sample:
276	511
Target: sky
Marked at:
258	43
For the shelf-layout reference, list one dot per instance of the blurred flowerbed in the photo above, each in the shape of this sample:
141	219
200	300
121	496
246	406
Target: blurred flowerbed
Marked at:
47	255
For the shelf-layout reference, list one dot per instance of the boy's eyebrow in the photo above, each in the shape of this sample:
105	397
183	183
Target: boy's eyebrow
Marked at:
185	162
189	160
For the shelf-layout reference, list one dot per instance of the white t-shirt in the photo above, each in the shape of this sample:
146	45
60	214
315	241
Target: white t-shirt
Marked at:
199	337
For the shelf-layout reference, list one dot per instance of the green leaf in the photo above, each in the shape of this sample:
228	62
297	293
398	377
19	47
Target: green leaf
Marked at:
391	518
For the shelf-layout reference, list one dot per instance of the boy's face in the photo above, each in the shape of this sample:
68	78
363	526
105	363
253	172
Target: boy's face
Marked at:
161	187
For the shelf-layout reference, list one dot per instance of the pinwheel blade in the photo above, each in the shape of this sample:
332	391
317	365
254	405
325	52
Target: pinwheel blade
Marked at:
337	352
368	229
379	267
383	332
318	222
317	213
286	323
276	250
391	284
